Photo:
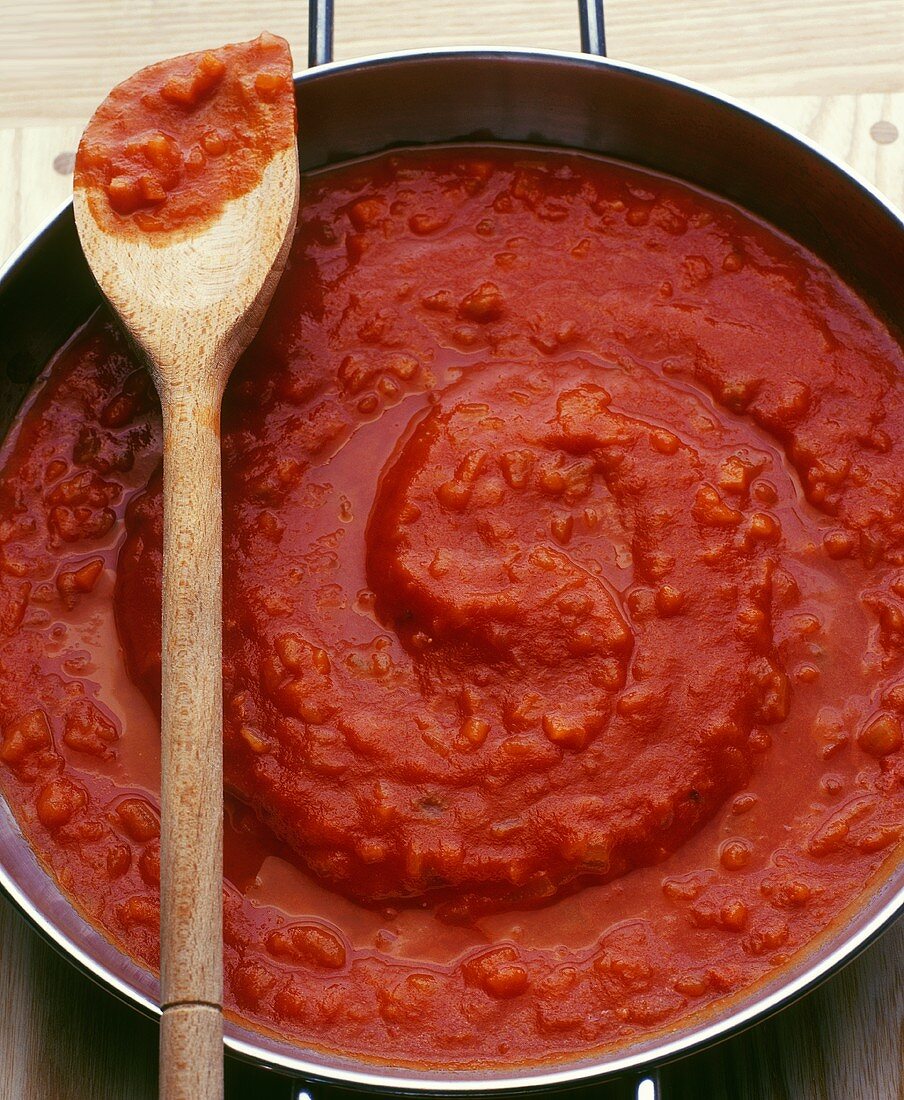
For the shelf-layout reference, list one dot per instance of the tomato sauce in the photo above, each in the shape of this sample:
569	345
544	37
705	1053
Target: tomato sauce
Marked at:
170	146
563	613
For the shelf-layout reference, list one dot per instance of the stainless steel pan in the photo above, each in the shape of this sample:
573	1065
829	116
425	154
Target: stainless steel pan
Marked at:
579	101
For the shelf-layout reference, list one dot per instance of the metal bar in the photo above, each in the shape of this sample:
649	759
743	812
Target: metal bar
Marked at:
320	32
593	27
648	1088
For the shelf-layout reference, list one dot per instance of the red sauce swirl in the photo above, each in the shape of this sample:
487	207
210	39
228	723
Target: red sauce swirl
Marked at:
564	613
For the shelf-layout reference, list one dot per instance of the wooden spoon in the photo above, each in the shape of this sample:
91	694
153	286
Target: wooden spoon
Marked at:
192	300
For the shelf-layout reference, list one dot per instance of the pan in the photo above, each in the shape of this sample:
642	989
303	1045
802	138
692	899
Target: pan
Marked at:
566	100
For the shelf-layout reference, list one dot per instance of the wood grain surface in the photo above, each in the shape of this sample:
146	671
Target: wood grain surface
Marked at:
832	69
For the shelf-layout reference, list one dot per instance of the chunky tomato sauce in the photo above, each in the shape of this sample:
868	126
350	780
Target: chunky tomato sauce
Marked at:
564	613
170	146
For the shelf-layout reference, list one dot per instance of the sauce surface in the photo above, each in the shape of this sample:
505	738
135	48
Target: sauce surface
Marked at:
170	146
564	613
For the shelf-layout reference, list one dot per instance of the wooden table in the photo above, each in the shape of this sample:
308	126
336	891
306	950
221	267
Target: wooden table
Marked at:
833	69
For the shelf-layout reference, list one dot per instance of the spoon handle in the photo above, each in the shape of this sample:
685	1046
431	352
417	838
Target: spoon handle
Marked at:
191	886
191	1053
